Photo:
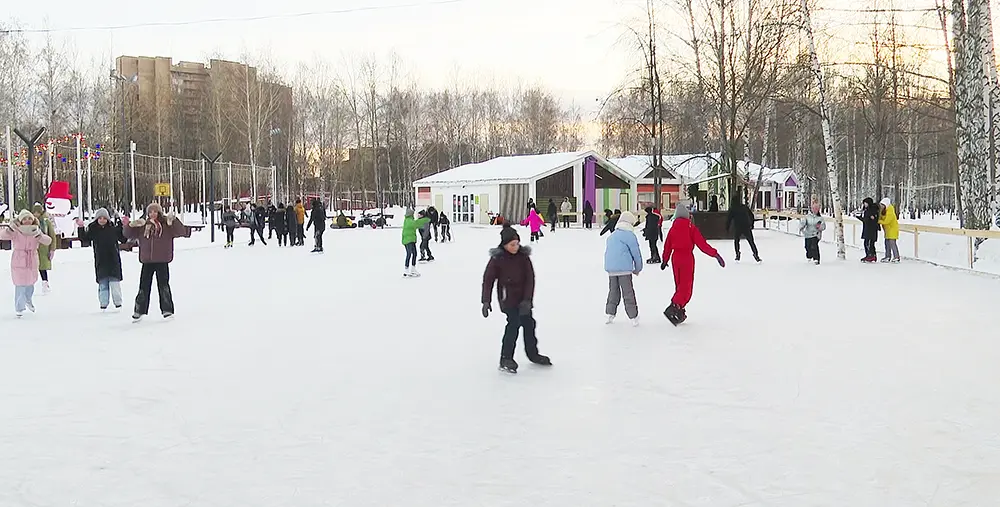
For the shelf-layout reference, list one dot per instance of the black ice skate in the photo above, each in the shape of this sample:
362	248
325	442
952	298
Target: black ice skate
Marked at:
673	314
507	365
540	360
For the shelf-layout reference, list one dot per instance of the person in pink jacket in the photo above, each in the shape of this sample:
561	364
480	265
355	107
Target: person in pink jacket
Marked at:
25	236
535	222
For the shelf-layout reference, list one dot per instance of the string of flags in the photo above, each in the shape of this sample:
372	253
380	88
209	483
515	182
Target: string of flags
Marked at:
20	157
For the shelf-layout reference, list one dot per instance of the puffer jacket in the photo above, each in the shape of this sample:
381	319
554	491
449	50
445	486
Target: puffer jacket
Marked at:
513	275
889	222
812	226
156	238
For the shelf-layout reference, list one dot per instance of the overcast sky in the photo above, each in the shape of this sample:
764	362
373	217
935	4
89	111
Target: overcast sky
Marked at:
572	46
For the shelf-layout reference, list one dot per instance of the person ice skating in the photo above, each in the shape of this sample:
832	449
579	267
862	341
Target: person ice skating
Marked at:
230	223
534	222
317	220
445	228
531	204
740	222
300	223
155	236
48	251
622	259
510	269
105	237
588	215
612	220
25	238
291	225
869	217
425	238
277	220
410	226
552	213
890	228
811	227
432	213
260	217
566	208
681	240
653	233
271	222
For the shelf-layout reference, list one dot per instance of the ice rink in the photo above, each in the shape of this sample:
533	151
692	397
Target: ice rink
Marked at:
295	379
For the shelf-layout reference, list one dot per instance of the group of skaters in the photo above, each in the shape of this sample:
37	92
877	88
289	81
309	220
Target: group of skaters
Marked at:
427	223
288	223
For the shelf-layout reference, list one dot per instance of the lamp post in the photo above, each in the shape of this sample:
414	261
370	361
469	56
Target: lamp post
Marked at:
211	190
30	141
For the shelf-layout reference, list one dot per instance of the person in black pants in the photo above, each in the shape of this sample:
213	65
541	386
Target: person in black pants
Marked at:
291	226
553	214
445	228
740	222
155	236
653	234
588	215
869	216
317	219
432	213
271	223
258	219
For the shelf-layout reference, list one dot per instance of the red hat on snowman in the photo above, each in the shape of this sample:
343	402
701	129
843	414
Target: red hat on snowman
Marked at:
59	190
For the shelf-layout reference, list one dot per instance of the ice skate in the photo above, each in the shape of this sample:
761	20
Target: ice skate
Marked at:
757	259
635	322
430	258
895	261
414	273
540	360
507	365
672	313
136	317
168	315
737	259
886	260
611	319
31	306
816	262
19	314
682	315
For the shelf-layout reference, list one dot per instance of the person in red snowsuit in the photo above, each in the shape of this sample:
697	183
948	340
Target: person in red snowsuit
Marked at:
680	243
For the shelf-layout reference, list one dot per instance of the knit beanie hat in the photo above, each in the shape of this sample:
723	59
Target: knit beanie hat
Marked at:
886	202
409	212
38	208
101	212
625	221
508	234
681	212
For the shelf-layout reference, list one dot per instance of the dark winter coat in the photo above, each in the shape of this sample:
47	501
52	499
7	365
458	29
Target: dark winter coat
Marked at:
104	240
156	238
531	205
513	275
229	219
317	216
612	222
588	210
740	218
552	213
260	215
272	212
869	219
291	220
444	220
432	213
278	222
652	230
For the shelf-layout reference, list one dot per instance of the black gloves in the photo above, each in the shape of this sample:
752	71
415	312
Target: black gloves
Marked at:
524	308
486	310
663	265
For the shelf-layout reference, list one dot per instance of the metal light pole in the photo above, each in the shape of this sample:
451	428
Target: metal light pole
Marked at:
211	191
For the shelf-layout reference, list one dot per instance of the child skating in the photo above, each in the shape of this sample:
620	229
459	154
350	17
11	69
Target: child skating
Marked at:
25	237
622	259
811	227
445	228
104	237
425	238
890	228
534	222
681	240
510	269
410	226
156	236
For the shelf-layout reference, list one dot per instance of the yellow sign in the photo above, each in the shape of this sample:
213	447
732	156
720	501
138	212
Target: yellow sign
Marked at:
161	189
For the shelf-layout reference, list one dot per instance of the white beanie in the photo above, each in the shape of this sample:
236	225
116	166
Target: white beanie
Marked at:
885	202
625	221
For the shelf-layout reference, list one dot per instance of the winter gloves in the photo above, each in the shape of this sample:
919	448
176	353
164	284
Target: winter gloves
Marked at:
722	262
663	265
486	310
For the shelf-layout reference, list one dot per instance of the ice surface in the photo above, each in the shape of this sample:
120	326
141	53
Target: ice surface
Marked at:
291	379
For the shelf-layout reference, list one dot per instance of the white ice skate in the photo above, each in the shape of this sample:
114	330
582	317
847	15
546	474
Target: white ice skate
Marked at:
31	306
414	273
45	287
635	322
19	314
611	319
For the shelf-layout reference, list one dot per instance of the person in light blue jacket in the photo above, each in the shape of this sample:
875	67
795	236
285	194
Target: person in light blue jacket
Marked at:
622	259
811	227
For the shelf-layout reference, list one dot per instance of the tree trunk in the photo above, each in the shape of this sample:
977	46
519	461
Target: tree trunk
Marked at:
825	117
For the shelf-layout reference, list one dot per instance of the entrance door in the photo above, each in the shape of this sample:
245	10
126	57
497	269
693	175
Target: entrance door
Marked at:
438	202
623	202
484	209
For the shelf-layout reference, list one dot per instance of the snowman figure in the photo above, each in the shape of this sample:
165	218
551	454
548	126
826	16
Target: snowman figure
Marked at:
58	206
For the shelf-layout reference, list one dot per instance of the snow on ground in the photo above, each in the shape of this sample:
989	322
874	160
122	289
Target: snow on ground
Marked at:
290	379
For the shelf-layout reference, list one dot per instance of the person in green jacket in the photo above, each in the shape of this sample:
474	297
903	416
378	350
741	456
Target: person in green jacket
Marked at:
410	226
45	252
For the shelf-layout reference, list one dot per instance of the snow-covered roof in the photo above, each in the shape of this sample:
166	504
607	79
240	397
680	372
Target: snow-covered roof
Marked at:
688	166
513	169
779	176
638	166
